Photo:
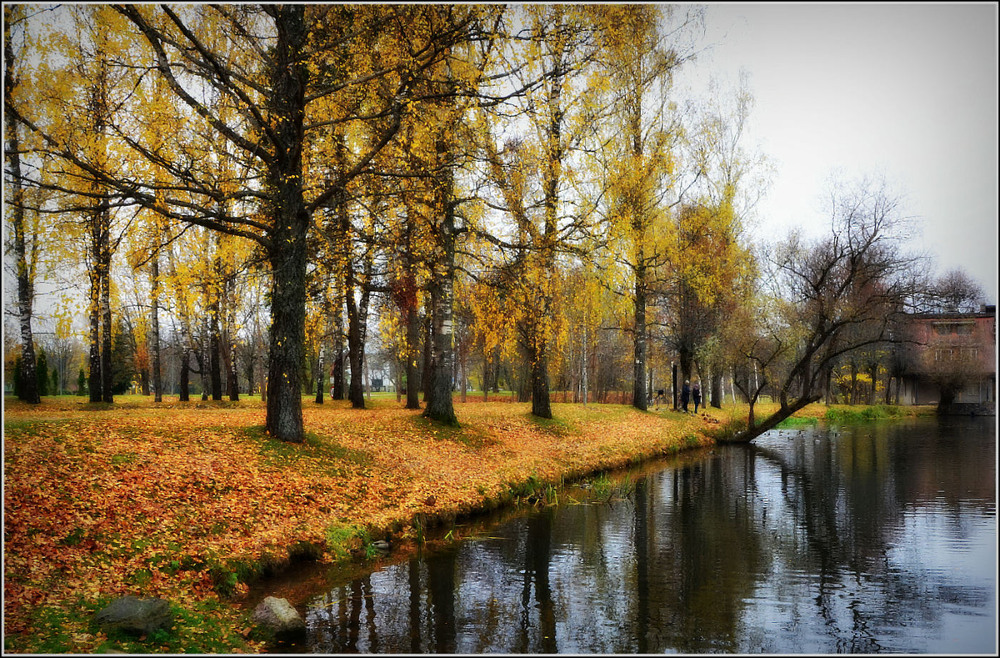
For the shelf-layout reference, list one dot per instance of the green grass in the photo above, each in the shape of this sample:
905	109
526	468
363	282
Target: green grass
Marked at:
793	422
205	627
342	541
864	414
606	488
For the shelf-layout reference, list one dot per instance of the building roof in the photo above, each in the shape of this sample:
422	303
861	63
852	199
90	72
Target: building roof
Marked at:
985	311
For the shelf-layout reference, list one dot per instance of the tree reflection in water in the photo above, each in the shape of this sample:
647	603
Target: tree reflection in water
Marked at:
867	539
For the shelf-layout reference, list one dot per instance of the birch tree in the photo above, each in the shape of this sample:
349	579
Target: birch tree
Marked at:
22	244
641	46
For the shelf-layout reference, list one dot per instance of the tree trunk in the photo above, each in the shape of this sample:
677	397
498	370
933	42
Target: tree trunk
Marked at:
355	345
203	358
486	376
28	387
185	330
440	406
412	354
214	345
686	361
288	302
232	374
523	378
368	379
357	317
425	375
397	379
229	338
772	421
364	304
716	388
540	403
288	231
538	356
154	321
338	347
320	374
185	384
107	380
94	383
639	328
465	374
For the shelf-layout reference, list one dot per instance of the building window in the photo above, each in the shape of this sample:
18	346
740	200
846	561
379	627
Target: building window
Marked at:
970	353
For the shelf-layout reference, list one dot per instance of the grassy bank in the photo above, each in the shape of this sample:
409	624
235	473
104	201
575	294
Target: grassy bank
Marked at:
191	502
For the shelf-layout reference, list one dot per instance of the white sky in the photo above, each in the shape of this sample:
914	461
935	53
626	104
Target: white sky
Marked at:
906	90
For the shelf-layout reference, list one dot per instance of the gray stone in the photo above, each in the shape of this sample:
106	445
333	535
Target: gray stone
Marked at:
279	616
134	615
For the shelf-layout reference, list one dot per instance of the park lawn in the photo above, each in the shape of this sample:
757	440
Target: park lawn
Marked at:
191	501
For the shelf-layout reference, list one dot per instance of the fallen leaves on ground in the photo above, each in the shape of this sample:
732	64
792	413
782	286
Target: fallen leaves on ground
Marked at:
144	499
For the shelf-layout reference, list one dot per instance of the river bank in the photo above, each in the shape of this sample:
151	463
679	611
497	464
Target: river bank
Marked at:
192	502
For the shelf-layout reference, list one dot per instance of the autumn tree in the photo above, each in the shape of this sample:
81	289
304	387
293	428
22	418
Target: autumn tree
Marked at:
72	97
710	265
179	285
23	244
453	85
640	45
408	243
529	171
267	65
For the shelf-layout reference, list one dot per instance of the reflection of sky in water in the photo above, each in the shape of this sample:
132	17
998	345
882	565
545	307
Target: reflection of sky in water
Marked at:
936	595
956	556
802	545
934	591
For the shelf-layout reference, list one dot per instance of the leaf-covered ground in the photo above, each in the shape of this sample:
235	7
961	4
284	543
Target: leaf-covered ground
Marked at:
185	501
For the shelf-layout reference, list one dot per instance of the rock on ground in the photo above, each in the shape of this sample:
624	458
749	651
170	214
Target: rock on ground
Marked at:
279	616
134	615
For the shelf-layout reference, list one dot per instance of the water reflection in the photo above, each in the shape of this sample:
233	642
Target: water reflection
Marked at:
869	539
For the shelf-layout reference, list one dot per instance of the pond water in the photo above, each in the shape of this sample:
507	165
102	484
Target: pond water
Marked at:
870	538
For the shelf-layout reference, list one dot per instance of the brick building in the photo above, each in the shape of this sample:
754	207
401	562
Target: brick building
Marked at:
949	355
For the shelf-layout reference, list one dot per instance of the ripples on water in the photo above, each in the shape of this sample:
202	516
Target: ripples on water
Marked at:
873	538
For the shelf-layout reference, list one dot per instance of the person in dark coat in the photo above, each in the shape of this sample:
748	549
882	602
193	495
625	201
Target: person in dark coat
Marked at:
696	396
685	395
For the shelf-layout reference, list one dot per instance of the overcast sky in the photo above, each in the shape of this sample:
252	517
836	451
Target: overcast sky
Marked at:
907	90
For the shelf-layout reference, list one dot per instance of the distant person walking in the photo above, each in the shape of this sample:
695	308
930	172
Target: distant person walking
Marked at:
696	396
685	395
